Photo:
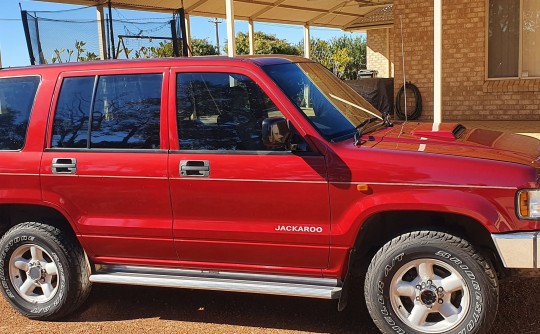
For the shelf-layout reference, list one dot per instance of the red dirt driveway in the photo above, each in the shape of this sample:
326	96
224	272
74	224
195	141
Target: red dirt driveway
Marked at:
133	310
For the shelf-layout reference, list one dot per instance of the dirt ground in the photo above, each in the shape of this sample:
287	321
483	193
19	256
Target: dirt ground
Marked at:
134	310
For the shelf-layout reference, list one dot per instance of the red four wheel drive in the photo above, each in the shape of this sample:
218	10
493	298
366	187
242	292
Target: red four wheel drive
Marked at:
258	174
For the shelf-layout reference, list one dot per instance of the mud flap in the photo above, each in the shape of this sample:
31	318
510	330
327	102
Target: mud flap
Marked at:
344	297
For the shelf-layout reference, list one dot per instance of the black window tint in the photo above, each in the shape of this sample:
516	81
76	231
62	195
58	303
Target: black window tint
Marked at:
70	127
16	99
126	112
221	111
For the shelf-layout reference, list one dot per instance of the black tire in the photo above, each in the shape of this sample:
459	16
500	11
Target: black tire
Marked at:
407	274
53	266
412	92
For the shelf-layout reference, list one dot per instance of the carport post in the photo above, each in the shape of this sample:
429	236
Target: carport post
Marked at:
307	42
188	34
231	40
102	37
111	30
251	34
437	61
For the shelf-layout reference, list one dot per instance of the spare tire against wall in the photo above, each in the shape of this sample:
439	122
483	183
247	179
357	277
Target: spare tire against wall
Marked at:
412	93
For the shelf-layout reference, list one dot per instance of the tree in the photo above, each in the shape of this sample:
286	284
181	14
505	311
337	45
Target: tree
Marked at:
202	47
344	56
356	52
265	44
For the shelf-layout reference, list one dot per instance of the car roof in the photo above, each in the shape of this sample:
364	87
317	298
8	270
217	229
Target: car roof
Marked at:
258	60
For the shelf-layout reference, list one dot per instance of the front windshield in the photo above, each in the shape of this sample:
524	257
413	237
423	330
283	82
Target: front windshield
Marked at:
327	102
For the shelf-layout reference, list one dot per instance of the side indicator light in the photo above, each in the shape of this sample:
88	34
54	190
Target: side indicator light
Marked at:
524	204
362	187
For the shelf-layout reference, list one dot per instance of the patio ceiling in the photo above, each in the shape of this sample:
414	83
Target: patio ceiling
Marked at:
341	14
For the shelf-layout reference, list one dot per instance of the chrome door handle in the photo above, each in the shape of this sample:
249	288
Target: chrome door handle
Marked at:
199	168
64	166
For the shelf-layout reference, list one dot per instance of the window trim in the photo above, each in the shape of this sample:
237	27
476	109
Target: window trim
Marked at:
255	76
163	116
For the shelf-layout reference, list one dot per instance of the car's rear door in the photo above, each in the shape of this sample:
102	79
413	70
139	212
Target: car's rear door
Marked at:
237	204
106	162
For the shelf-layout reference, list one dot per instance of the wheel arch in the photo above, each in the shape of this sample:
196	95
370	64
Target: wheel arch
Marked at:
14	213
382	227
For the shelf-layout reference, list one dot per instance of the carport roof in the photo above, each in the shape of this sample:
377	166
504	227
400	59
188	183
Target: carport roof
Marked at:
342	14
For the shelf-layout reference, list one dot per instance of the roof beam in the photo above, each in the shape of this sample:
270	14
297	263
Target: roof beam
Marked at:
266	20
195	5
330	11
280	5
267	8
335	10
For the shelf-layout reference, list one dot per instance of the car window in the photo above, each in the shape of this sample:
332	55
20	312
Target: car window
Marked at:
70	128
125	112
221	111
16	99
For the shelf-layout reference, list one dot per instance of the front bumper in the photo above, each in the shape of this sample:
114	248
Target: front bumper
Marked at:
518	250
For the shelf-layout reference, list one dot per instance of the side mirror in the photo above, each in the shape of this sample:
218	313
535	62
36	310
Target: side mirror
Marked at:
275	132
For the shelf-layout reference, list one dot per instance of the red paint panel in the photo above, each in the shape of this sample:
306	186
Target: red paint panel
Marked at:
245	200
114	194
299	256
146	249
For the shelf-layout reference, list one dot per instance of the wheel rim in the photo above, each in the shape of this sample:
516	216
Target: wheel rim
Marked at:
429	296
33	273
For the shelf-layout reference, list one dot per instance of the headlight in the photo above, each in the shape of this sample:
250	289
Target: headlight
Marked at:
528	203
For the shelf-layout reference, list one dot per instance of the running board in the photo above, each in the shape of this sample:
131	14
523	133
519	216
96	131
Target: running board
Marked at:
223	281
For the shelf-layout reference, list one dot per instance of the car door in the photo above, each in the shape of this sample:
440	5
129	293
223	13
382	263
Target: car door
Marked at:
236	203
106	163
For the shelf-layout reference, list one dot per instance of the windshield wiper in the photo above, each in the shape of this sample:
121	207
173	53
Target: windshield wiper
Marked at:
360	128
367	122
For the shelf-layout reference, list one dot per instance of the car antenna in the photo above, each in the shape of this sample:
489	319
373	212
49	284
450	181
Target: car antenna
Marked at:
404	75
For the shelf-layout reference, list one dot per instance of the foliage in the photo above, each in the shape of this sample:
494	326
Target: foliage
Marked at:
202	47
81	55
265	44
344	56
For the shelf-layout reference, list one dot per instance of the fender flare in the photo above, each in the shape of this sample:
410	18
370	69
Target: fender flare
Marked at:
445	201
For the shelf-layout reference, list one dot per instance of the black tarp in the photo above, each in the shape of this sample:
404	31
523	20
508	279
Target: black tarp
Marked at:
377	91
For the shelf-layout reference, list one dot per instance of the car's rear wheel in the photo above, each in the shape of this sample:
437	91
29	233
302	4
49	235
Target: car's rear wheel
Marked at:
43	271
431	282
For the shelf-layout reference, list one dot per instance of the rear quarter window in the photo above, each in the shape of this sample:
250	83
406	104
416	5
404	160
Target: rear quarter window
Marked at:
16	100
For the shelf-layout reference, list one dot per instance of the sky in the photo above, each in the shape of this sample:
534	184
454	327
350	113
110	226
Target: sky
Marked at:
15	53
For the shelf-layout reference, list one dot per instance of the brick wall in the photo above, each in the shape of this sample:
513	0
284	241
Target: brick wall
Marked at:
380	52
466	95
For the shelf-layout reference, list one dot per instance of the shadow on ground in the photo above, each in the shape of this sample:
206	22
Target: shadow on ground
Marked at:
118	303
518	313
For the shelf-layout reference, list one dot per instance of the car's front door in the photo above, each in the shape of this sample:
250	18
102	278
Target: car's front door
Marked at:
236	203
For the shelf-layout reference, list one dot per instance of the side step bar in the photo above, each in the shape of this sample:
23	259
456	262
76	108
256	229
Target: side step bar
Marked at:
223	281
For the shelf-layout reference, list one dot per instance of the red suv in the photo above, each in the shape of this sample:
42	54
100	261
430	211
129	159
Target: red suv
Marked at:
258	174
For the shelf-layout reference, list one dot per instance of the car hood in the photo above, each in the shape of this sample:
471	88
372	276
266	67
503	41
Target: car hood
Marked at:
454	139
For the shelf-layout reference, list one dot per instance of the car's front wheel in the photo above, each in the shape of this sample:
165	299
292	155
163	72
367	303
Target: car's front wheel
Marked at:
43	271
431	282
